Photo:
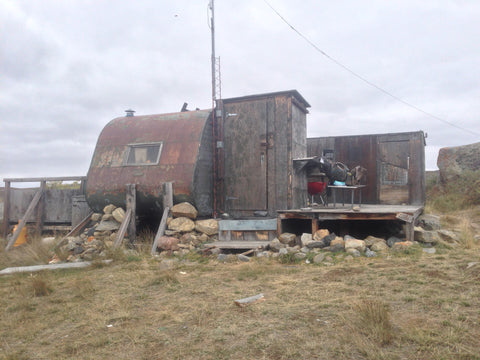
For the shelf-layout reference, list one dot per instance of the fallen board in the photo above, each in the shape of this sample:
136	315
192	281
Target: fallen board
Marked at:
34	268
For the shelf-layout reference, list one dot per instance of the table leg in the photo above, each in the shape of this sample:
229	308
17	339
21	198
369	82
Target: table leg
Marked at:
334	198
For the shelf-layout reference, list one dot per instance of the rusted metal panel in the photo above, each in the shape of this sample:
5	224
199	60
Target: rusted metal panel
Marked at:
185	159
395	163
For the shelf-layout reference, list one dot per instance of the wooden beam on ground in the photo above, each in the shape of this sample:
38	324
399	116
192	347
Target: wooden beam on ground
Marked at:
34	268
131	200
24	219
123	229
80	226
161	230
250	300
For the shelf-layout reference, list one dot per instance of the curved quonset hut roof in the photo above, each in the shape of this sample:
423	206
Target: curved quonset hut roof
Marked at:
149	151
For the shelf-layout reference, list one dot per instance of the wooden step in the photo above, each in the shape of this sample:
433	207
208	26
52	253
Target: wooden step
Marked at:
238	244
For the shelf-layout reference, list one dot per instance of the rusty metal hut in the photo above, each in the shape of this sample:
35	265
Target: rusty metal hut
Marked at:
246	167
148	151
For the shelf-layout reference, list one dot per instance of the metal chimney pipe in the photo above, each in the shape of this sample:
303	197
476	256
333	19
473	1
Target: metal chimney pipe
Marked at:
129	112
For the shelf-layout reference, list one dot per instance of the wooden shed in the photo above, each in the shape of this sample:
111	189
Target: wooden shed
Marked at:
261	135
395	164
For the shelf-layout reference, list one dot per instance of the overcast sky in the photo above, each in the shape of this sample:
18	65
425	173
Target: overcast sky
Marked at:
68	67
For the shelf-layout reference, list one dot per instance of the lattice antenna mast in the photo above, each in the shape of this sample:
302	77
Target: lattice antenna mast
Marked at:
215	62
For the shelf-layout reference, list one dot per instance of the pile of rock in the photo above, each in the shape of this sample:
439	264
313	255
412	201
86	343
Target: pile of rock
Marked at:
430	233
184	232
100	235
323	242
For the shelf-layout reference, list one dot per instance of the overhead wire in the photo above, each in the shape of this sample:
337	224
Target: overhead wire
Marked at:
346	68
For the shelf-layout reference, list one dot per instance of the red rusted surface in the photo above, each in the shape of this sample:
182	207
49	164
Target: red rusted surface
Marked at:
181	135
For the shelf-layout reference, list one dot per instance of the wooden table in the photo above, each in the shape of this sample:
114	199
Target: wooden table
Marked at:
352	191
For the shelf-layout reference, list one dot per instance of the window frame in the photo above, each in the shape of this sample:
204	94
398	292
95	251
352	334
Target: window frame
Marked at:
143	145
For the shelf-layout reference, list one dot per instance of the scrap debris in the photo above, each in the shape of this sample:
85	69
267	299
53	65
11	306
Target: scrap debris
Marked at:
249	300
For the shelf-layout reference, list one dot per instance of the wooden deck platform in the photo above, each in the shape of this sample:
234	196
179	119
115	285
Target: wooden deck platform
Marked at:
316	214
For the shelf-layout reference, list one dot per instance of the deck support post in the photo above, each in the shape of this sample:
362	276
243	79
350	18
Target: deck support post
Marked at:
167	205
6	209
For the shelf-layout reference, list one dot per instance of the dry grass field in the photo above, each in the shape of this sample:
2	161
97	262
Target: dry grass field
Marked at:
397	306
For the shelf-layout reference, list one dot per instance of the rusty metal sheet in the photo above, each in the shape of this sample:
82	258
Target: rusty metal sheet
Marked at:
180	136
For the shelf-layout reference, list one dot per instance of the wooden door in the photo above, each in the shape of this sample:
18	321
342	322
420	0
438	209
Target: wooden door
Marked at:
393	171
245	177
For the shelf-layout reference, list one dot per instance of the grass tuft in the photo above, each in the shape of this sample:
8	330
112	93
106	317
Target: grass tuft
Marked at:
375	320
40	287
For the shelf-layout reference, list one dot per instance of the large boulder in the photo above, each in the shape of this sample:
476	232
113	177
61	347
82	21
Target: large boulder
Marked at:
355	244
320	234
181	224
288	239
208	227
452	161
425	236
372	240
184	209
429	222
306	239
108	225
119	214
109	209
167	243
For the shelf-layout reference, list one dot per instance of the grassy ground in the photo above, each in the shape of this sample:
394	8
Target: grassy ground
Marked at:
401	306
397	306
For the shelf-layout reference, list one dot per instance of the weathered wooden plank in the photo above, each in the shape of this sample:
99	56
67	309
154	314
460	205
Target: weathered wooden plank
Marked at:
23	221
249	300
34	268
39	179
6	209
123	229
161	230
238	244
76	229
39	217
167	195
244	225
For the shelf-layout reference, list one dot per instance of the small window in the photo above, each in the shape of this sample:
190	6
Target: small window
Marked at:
143	154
